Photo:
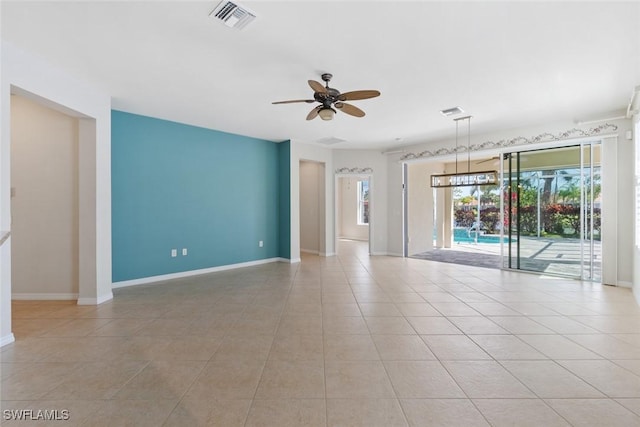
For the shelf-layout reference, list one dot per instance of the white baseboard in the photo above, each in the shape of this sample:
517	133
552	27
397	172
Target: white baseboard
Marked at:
293	260
43	297
183	274
95	301
309	251
623	284
327	253
7	339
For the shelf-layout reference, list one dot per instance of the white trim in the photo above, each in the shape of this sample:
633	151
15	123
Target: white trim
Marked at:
624	284
325	254
95	301
43	297
182	274
293	260
7	339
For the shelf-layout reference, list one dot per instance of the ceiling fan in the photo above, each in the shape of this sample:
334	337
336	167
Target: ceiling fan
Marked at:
331	99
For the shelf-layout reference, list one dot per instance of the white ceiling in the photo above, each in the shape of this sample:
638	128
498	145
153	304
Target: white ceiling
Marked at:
509	64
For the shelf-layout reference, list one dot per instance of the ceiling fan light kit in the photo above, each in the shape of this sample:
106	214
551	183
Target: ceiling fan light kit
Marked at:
468	178
331	100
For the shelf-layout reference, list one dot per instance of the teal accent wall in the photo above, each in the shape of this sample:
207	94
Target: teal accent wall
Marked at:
177	186
284	156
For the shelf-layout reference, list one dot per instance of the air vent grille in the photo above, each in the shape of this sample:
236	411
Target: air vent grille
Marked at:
232	15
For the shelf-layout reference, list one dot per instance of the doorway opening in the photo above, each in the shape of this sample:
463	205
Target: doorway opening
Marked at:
552	211
353	210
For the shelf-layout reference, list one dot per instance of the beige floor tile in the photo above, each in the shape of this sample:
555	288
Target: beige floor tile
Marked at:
433	326
519	412
558	347
564	325
303	309
607	346
454	347
209	412
292	379
365	413
340	309
300	324
141	413
439	297
422	379
362	379
594	412
547	379
631	404
244	347
606	376
531	309
36	381
141	353
477	325
287	413
189	348
402	347
297	347
349	347
406	297
96	380
120	327
349	325
506	347
493	309
76	328
455	309
486	380
227	380
389	325
442	412
417	309
379	309
520	325
161	380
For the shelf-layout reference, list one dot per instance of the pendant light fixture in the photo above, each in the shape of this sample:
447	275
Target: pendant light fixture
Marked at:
468	178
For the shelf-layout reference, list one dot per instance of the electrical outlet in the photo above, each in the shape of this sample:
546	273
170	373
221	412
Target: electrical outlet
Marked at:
174	253
184	251
260	244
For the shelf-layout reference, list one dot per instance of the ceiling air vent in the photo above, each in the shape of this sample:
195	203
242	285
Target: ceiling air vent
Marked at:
232	14
451	111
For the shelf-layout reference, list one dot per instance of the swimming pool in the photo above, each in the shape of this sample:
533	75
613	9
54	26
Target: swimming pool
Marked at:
463	235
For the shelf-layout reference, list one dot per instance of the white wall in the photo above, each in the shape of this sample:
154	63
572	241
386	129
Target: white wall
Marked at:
309	207
44	202
347	211
30	76
420	206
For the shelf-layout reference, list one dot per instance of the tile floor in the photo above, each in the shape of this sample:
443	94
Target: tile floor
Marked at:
339	341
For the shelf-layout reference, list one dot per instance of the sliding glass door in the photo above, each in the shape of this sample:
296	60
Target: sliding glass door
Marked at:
552	211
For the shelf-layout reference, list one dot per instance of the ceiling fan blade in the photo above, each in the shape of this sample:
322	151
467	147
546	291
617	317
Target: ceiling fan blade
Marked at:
358	94
317	86
308	101
352	110
313	113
